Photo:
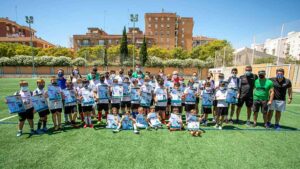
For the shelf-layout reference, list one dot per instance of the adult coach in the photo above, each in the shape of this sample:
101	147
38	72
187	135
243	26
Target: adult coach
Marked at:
93	71
245	93
263	96
281	85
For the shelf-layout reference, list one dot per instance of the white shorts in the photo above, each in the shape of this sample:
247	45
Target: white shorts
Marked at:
278	105
142	126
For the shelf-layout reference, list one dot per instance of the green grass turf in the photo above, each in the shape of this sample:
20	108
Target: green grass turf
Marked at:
237	146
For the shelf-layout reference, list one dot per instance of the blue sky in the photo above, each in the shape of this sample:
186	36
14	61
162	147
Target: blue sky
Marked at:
235	20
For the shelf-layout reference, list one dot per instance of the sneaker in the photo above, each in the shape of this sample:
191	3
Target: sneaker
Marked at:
237	121
39	131
116	131
248	123
268	125
60	127
254	125
56	128
220	128
85	126
216	126
45	129
19	133
230	121
91	126
214	120
205	124
277	127
32	132
136	132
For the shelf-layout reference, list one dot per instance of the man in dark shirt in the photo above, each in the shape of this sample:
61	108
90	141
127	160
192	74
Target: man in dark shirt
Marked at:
281	85
245	93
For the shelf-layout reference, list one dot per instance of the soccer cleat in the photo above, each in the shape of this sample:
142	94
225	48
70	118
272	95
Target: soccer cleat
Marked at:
85	126
230	121
45	129
277	127
32	132
60	127
214	120
136	132
116	131
19	133
56	128
220	128
39	131
237	121
216	126
91	126
248	123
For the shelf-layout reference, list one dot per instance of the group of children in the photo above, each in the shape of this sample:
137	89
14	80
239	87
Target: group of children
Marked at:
128	102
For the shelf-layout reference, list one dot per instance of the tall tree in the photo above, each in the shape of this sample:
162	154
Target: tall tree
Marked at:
123	47
143	53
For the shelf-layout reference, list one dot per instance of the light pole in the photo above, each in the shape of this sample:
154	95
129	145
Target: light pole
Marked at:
133	19
29	20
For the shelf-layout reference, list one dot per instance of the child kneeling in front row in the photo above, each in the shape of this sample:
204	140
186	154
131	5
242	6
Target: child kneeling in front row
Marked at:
153	119
175	121
193	123
113	120
127	122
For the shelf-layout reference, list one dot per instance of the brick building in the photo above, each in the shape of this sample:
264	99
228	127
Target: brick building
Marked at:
170	30
201	40
96	36
12	32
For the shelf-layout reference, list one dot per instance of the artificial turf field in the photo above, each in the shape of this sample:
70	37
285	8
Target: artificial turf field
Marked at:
236	146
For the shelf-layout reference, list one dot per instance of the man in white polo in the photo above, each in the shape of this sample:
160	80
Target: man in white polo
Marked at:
281	85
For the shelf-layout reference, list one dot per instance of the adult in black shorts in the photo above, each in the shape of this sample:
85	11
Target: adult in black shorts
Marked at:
245	93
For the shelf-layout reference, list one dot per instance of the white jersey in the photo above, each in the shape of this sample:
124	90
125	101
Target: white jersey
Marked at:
161	95
26	98
38	91
93	84
221	97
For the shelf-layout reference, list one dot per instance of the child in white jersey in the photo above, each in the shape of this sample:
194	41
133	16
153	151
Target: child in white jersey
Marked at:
87	102
43	113
153	119
25	94
127	122
55	103
222	105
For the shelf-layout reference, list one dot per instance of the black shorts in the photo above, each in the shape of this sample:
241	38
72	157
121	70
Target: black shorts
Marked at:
197	100
44	113
248	101
28	114
87	109
189	107
169	101
135	106
160	108
56	110
260	105
116	105
206	110
222	111
69	109
179	108
102	106
125	104
80	108
215	102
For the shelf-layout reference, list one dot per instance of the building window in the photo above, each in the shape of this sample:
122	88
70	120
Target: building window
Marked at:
155	33
162	25
117	41
182	22
162	19
7	28
13	29
182	35
149	19
156	18
162	33
155	26
149	26
85	42
168	33
182	30
101	42
109	41
168	25
168	18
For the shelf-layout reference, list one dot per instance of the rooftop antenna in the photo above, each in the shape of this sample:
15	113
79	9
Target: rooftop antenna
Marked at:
162	10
